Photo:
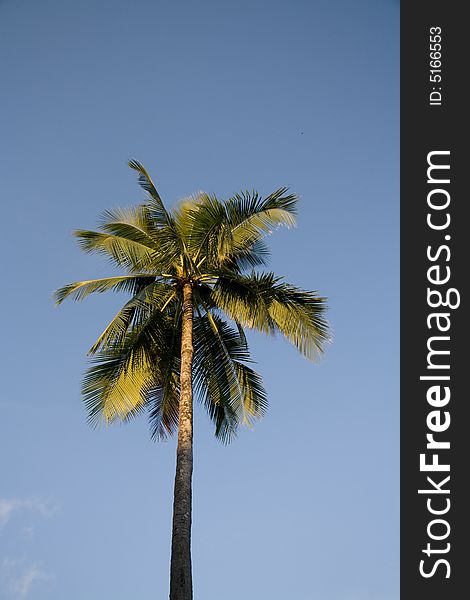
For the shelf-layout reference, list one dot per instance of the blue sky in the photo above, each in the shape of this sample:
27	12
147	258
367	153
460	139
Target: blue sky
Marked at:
212	96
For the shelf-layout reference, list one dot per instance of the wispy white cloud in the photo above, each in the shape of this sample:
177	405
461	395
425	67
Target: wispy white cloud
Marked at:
8	506
17	578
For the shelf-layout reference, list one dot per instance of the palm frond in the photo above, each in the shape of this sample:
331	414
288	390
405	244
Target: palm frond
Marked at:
215	380
203	225
230	233
163	400
255	400
231	392
156	207
264	302
115	387
122	377
299	316
79	290
247	258
133	223
245	298
252	217
147	298
125	252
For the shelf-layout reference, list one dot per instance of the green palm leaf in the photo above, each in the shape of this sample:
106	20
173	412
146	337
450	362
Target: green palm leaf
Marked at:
79	290
123	251
148	297
264	302
157	209
117	385
252	217
232	393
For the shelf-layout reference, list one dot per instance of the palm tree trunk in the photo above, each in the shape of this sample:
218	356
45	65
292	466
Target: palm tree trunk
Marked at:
181	585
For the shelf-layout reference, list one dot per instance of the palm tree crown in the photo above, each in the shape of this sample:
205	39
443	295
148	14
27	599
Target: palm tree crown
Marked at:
216	247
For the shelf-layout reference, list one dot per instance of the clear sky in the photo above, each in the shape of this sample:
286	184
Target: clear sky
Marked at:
214	96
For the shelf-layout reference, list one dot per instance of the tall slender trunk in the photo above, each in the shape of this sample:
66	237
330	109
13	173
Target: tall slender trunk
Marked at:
181	585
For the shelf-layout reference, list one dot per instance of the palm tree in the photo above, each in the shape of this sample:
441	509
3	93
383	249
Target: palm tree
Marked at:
194	280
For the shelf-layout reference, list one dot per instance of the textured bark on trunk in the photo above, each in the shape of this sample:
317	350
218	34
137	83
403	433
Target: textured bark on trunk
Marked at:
181	585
